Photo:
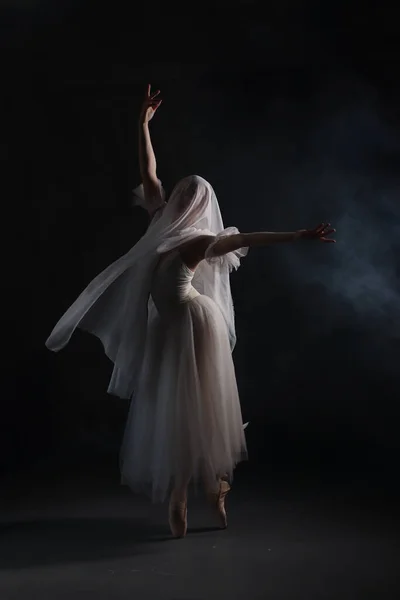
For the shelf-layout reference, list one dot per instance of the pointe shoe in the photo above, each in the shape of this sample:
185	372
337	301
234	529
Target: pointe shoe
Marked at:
178	518
218	499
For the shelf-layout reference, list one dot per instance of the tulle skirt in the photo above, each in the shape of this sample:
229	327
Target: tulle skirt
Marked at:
185	422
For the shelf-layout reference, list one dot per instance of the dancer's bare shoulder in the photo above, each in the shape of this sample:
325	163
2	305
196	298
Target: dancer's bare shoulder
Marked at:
194	251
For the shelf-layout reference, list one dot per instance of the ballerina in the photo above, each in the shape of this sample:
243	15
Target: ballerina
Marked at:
164	313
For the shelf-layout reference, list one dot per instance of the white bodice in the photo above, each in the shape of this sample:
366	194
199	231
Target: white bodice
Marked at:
172	284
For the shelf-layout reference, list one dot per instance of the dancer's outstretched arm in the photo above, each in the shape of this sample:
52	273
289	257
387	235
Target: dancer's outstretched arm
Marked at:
265	238
147	159
196	250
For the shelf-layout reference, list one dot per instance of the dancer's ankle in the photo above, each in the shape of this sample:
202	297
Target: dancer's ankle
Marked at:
179	495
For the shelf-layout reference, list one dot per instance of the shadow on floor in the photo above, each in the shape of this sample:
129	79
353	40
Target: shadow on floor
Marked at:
49	542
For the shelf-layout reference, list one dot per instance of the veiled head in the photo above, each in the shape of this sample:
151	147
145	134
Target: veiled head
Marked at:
191	196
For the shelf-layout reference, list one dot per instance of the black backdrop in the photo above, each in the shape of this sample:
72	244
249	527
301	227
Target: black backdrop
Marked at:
291	112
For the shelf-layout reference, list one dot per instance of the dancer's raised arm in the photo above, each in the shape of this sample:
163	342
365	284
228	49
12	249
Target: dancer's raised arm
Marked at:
147	159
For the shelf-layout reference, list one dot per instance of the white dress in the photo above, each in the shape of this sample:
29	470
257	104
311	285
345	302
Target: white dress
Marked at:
185	421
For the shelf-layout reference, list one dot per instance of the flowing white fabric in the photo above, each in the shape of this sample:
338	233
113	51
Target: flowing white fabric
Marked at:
116	306
170	333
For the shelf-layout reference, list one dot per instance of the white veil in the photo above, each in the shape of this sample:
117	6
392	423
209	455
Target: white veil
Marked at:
116	306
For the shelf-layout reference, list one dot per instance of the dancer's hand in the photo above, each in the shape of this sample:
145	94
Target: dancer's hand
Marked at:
149	106
319	233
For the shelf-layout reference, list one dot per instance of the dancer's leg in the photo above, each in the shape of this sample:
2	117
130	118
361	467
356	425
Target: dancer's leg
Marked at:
217	494
178	508
218	500
179	492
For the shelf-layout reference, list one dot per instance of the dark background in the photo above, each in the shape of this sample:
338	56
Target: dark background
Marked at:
291	111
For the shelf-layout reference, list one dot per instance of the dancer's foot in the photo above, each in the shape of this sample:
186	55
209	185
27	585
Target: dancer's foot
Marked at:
218	500
178	516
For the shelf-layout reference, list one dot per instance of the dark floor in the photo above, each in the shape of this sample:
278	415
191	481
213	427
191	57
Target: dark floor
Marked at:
84	536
